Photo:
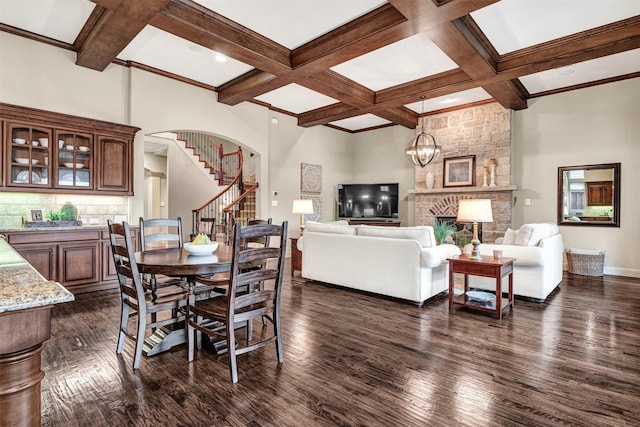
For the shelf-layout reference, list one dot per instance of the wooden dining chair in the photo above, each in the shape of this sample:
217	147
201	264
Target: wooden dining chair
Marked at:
243	302
158	233
135	299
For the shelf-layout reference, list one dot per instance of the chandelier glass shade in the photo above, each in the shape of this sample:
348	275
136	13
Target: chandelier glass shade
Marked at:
423	149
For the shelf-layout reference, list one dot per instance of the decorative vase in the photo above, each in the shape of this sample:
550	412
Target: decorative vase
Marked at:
493	176
431	179
69	212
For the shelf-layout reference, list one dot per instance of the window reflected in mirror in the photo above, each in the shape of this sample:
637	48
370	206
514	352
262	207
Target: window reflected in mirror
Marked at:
589	195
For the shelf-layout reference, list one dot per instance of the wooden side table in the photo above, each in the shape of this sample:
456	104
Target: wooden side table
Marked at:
487	267
296	256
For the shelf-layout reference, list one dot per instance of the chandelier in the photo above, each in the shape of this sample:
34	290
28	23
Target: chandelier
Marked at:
423	150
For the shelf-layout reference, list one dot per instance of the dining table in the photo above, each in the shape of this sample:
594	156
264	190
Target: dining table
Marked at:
177	262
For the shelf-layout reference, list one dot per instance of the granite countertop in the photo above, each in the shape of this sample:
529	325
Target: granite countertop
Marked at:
77	227
22	287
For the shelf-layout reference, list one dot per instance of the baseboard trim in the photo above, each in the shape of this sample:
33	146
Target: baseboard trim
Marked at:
626	272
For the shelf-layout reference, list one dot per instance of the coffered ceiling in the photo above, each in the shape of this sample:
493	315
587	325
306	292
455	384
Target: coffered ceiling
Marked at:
351	64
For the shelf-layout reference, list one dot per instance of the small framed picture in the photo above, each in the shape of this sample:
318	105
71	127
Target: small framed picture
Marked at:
459	171
36	215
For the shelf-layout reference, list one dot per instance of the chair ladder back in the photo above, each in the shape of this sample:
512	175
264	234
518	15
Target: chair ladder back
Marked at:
157	230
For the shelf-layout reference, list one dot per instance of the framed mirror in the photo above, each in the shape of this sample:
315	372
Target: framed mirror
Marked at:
589	195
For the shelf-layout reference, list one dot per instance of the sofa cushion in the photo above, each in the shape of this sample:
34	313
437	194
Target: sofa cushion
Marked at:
509	237
423	234
531	234
339	227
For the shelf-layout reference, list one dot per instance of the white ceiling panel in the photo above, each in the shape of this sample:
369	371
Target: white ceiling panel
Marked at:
515	24
448	101
58	19
404	61
291	23
165	51
296	99
360	122
583	72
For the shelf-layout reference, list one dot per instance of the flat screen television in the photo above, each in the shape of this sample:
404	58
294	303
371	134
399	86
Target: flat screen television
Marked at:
368	200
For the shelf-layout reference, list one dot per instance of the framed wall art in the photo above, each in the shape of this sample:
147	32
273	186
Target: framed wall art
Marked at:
310	178
459	171
36	215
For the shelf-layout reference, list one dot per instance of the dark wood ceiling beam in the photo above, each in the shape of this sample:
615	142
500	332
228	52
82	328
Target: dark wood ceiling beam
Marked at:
591	44
433	86
446	10
198	24
399	115
248	86
341	88
324	115
509	93
371	31
113	31
352	39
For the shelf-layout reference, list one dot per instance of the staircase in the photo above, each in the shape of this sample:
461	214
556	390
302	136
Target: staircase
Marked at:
235	203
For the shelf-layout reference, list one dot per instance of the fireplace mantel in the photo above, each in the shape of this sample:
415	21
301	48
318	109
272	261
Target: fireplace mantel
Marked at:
458	190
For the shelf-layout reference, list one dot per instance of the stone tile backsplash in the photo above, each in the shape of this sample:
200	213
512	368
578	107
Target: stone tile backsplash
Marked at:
92	210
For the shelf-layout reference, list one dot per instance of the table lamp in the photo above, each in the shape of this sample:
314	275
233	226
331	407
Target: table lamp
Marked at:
475	211
302	207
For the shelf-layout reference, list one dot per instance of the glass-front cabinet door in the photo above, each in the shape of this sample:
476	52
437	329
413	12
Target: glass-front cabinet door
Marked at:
75	160
28	155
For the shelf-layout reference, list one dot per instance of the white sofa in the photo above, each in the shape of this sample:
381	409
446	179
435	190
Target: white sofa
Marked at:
400	262
539	253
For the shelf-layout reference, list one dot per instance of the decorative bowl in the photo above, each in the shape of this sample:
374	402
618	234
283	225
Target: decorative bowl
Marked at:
22	161
201	249
83	148
34	161
44	142
35	143
19	140
71	165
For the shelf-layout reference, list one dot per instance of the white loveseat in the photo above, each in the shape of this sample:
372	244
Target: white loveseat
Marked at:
539	253
400	262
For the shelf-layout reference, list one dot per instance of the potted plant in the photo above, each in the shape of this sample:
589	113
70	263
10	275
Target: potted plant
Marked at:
443	229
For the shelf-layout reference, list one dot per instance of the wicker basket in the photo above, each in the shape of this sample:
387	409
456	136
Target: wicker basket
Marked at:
585	261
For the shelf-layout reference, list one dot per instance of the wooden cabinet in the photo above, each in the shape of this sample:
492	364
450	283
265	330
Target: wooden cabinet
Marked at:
49	152
114	169
28	155
80	259
42	256
296	256
600	193
74	160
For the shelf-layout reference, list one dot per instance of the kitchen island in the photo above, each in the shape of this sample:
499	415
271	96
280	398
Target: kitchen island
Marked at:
26	300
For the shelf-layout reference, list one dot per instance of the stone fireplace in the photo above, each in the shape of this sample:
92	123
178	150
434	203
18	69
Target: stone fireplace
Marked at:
433	204
485	132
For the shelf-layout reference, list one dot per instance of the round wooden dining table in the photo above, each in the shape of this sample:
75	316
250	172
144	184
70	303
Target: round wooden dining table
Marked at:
177	262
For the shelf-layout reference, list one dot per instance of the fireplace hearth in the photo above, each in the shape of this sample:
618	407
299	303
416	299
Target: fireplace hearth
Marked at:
464	232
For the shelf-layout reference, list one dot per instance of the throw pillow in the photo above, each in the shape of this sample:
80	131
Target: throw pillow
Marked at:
531	234
509	237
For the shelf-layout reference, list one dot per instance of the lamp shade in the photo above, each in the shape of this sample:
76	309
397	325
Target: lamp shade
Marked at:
302	206
474	210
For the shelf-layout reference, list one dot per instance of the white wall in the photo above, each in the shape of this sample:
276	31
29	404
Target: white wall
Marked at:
378	157
595	125
292	145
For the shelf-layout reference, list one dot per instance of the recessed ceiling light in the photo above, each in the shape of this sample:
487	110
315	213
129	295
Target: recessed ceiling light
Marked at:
195	48
565	71
220	57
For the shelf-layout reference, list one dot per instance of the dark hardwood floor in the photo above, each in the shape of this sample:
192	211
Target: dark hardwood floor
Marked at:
355	359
